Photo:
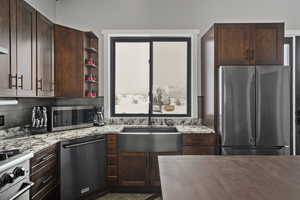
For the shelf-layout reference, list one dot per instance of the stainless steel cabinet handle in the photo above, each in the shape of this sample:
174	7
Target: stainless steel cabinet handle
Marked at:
46	180
82	143
40	84
22	191
44	159
11	77
22	81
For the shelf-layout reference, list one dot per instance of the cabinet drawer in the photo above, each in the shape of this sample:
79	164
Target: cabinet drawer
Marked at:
196	150
49	192
111	139
198	139
43	177
42	158
112	171
112	160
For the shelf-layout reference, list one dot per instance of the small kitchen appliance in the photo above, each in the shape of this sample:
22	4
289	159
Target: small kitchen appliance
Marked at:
99	119
71	117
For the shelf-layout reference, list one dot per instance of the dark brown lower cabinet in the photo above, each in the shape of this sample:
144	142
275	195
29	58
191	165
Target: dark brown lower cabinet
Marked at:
132	169
154	178
44	174
140	169
200	144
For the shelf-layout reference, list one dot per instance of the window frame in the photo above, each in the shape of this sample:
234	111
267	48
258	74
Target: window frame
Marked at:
114	40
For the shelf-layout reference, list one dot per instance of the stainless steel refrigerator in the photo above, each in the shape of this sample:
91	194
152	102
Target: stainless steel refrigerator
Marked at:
254	110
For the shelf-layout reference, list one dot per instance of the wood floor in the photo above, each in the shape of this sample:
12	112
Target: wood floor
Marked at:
125	196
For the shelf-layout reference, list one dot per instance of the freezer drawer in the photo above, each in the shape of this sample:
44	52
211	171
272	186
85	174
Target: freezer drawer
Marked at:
256	151
237	105
273	96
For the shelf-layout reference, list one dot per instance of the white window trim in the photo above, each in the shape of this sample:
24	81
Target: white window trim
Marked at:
193	34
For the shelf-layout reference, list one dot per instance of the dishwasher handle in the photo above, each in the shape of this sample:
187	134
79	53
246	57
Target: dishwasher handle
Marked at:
77	144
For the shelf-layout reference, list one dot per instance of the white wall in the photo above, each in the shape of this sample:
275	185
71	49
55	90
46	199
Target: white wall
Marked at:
46	7
97	15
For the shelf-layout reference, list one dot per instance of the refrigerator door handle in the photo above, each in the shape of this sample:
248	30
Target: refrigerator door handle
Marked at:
221	100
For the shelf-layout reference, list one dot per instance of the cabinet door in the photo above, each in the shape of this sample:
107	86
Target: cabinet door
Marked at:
132	169
69	64
154	177
45	67
8	41
268	44
26	49
233	44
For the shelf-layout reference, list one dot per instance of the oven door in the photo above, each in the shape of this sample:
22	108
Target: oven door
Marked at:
19	191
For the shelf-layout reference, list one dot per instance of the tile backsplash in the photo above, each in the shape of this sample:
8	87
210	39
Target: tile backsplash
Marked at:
20	114
155	121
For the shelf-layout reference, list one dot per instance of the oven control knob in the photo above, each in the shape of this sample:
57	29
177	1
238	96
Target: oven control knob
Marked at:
7	178
19	171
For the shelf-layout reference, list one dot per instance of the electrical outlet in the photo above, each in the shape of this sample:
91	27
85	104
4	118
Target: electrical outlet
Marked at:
2	121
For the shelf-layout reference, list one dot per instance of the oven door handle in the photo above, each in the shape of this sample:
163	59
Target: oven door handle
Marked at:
23	190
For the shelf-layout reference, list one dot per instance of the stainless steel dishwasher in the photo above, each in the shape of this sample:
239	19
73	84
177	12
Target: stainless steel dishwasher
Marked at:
82	167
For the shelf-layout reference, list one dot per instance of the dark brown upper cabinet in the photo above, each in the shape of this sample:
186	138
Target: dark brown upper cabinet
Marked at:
26	49
8	41
45	61
268	43
249	44
234	42
28	68
76	63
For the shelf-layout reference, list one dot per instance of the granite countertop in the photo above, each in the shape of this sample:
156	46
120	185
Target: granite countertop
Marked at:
36	143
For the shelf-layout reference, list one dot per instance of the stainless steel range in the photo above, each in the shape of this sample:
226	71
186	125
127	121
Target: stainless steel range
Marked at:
14	175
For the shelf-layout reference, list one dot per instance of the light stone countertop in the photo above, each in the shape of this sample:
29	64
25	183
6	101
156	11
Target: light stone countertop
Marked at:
36	143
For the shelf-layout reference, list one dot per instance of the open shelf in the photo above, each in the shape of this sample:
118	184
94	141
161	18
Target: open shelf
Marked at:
91	65
89	81
91	35
93	50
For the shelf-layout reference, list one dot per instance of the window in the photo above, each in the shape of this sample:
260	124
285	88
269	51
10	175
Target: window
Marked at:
150	76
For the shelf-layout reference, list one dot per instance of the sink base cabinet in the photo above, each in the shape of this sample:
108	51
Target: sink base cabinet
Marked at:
133	169
139	171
